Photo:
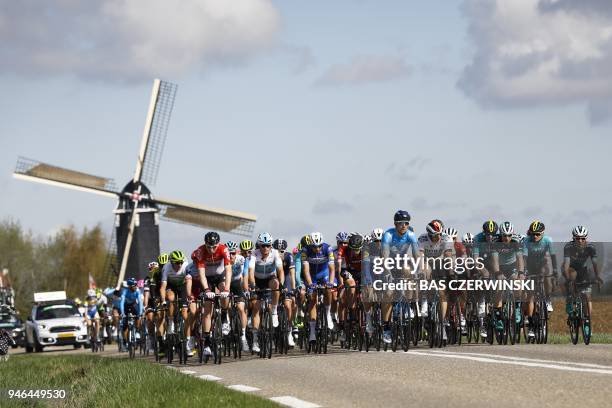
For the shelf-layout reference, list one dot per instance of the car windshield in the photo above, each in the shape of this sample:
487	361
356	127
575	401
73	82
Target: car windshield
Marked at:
7	320
56	311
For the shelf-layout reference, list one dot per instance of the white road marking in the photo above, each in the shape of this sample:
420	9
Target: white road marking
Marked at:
191	372
520	363
535	360
209	377
243	388
294	402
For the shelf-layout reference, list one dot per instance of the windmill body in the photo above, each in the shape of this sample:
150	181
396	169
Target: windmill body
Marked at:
138	211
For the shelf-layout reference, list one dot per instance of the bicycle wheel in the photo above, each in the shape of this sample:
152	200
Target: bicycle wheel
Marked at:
132	342
586	320
217	338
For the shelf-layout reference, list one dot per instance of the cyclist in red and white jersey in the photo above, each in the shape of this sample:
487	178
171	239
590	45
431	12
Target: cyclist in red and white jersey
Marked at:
215	270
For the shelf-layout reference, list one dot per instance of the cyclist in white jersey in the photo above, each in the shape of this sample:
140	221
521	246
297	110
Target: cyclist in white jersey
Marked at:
172	285
265	272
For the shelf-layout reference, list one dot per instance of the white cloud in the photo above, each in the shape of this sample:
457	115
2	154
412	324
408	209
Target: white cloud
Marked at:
131	39
366	68
540	52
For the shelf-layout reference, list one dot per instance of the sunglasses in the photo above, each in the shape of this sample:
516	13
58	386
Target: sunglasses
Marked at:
265	245
537	234
402	223
211	246
233	253
177	262
507	235
580	239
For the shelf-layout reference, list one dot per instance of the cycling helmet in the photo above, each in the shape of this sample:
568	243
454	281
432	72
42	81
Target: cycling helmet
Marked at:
177	256
489	227
316	238
401	216
77	301
231	246
153	265
434	228
280	244
377	234
536	227
131	282
163	258
355	241
506	228
212	238
342	237
264	239
468	238
91	293
306	241
246	245
580	232
520	238
440	222
295	251
451	232
367	239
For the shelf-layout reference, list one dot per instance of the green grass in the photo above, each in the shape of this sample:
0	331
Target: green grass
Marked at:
564	338
92	381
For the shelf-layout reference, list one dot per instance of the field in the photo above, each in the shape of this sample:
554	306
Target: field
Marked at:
92	381
601	322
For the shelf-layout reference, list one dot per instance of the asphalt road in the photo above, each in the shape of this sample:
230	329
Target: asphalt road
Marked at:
469	375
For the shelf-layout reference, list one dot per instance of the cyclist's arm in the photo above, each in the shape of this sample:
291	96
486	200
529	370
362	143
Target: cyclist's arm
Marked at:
495	262
520	262
188	287
280	272
162	290
306	271
292	277
203	281
548	264
252	271
139	304
595	267
147	294
332	268
122	303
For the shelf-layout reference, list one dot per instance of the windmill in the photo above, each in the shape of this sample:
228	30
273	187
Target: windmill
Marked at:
138	212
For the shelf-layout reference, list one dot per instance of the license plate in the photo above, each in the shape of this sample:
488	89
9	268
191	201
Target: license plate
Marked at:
65	335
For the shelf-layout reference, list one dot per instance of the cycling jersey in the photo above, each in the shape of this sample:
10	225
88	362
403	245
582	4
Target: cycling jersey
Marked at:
152	282
131	298
508	252
175	278
351	259
240	268
265	268
319	262
481	247
536	250
193	271
393	243
460	250
577	256
435	249
288	263
298	269
214	262
92	307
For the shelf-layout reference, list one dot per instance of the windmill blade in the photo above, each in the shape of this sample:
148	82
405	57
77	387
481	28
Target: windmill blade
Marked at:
32	170
235	222
155	131
128	243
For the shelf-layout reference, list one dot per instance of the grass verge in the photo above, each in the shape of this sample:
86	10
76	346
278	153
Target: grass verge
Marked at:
92	381
564	338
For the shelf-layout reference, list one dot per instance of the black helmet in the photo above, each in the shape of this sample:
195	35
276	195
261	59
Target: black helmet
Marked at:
355	241
212	238
536	227
401	215
489	227
279	244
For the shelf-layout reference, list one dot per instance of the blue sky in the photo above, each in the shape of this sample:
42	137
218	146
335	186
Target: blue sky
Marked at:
318	115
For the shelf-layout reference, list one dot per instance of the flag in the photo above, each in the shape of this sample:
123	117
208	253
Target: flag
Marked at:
92	282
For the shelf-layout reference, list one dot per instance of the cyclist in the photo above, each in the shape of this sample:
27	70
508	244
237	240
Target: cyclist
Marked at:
576	254
435	246
537	249
173	277
239	286
92	315
483	249
337	308
193	289
151	295
508	253
351	256
396	241
215	270
265	272
460	252
289	285
131	303
318	267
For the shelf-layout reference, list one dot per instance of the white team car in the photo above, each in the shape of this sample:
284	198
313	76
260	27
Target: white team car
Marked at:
55	321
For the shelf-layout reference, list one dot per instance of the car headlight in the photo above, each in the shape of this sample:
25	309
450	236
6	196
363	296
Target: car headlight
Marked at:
42	327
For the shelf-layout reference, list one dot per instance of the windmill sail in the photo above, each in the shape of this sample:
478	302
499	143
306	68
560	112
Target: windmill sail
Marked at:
155	131
33	170
238	223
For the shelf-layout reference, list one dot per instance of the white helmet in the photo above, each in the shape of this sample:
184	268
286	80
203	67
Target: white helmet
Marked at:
316	238
506	228
91	293
377	234
580	232
264	239
367	239
468	238
451	232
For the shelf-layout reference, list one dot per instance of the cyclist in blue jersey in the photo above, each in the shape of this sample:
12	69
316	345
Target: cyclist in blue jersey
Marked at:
396	241
537	249
131	302
318	266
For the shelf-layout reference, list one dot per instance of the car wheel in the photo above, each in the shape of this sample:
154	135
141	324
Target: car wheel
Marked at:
77	346
37	346
29	348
